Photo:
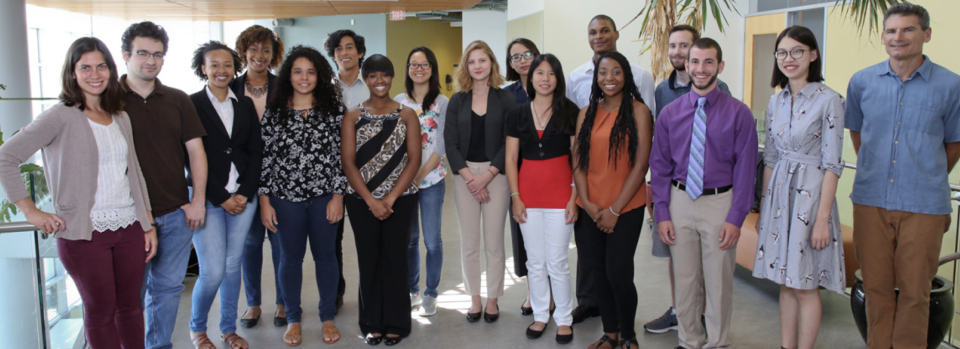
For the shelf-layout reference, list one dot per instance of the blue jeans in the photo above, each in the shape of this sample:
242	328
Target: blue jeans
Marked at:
252	263
298	222
219	244
163	278
431	209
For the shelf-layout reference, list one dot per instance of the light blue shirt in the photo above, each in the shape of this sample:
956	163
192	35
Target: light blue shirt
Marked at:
904	127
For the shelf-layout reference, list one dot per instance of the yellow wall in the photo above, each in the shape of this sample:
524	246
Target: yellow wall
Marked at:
530	27
758	25
441	38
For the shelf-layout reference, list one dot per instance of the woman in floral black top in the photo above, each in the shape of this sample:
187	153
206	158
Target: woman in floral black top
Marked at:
302	182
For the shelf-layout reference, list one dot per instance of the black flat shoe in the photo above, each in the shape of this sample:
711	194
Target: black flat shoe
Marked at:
581	313
526	310
490	318
534	334
374	340
474	317
279	321
391	341
249	323
565	338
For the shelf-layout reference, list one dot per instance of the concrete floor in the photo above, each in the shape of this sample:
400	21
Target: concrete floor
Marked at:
756	321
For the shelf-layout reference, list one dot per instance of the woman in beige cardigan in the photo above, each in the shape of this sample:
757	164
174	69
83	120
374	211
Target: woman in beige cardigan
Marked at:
102	221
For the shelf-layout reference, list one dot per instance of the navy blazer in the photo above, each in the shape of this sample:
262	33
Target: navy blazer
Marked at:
243	149
237	85
456	133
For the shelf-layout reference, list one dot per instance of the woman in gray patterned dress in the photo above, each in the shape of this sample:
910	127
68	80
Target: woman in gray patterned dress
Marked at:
799	244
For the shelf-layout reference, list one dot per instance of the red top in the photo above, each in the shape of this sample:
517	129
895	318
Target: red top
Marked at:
546	183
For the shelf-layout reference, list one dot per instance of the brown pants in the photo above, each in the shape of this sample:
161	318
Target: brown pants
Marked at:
484	222
897	249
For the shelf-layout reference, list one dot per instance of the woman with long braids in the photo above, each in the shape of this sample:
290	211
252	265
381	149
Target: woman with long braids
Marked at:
302	181
610	152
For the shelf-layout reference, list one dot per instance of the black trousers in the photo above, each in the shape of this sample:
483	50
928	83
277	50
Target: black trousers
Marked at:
610	258
585	294
342	287
382	260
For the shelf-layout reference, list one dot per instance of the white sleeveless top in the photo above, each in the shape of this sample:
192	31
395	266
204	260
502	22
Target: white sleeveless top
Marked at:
113	208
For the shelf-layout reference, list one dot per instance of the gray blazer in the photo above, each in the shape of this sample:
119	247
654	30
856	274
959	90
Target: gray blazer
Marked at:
456	133
70	161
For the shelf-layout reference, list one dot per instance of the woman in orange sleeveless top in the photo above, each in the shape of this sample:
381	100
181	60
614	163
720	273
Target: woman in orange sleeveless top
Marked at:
612	146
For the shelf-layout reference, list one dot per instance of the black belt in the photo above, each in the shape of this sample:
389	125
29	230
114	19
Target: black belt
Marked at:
713	191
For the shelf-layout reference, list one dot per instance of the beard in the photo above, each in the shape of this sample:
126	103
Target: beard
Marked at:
681	66
712	80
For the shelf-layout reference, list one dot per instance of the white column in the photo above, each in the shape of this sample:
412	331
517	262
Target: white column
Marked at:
14	67
489	26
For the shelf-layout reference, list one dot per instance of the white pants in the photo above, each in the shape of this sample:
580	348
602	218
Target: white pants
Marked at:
546	237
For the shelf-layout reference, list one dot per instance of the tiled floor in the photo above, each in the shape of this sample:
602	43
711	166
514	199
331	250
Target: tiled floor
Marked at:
755	317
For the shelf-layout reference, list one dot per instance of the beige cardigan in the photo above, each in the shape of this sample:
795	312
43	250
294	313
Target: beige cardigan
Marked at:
70	159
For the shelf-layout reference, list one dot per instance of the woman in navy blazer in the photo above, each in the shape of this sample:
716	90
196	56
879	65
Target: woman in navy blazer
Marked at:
260	51
234	153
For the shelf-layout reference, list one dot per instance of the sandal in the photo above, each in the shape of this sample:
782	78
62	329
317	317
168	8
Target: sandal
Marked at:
234	341
201	341
330	331
629	343
604	340
292	336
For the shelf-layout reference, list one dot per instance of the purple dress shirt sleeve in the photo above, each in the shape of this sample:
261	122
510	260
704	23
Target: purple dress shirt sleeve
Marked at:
661	168
745	166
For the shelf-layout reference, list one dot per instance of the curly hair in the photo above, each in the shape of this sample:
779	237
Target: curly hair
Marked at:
333	40
624	132
200	56
111	99
256	34
145	29
327	97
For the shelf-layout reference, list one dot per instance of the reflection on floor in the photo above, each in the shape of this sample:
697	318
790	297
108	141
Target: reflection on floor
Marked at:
756	321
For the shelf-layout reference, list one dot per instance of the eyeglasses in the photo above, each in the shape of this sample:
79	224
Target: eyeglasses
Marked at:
796	53
414	66
144	55
526	55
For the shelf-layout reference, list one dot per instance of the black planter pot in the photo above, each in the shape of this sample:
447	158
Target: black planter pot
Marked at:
941	309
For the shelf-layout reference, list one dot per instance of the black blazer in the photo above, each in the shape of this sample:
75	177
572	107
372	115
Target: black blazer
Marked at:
237	85
244	149
456	133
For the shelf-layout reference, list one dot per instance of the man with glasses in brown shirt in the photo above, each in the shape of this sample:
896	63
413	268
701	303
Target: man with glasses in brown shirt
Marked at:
165	123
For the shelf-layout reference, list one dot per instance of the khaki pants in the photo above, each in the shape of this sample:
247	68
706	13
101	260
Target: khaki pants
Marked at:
700	266
897	249
492	215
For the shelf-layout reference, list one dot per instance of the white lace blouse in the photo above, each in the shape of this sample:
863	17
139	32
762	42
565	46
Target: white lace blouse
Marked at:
114	207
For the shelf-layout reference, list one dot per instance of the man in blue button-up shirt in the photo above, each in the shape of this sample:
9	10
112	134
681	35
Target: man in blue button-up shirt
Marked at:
904	120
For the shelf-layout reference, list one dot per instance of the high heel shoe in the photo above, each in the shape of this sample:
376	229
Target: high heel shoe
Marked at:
490	318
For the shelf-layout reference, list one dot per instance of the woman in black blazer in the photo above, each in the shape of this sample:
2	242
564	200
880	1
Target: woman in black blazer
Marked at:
260	51
474	137
234	153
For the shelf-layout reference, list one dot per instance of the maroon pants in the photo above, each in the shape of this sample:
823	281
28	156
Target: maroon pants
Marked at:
108	272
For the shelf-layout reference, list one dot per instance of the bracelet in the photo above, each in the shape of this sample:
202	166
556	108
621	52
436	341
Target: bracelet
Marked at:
337	200
491	172
614	213
513	194
573	184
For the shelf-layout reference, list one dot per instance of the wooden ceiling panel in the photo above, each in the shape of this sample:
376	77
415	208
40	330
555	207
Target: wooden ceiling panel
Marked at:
244	9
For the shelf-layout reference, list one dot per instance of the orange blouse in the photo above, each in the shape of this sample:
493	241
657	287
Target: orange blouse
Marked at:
605	178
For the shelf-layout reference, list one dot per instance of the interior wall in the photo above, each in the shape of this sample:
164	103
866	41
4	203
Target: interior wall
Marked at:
523	8
312	31
489	26
530	27
441	38
565	34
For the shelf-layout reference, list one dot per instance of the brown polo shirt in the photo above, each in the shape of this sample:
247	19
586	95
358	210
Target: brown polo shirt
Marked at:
162	123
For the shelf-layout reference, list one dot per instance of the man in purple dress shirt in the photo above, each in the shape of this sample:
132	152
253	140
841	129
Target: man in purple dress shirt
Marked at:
701	199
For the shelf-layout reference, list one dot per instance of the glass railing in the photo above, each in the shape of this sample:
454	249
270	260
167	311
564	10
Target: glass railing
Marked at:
42	307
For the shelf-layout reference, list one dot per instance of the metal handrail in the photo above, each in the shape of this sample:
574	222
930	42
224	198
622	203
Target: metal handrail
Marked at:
16	227
852	166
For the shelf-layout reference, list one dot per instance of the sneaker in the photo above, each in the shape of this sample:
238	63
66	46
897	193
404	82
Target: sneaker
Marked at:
429	306
415	299
665	323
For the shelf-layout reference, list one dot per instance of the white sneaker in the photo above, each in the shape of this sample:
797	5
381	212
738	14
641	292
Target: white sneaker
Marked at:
415	299
429	306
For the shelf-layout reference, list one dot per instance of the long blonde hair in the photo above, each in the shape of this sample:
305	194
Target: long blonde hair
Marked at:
464	81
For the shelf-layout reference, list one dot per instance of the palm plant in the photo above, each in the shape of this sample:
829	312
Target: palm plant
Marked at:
661	15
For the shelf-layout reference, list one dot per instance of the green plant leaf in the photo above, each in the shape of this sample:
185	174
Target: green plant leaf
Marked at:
28	168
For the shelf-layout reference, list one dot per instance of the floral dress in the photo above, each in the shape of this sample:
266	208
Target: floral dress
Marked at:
804	140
